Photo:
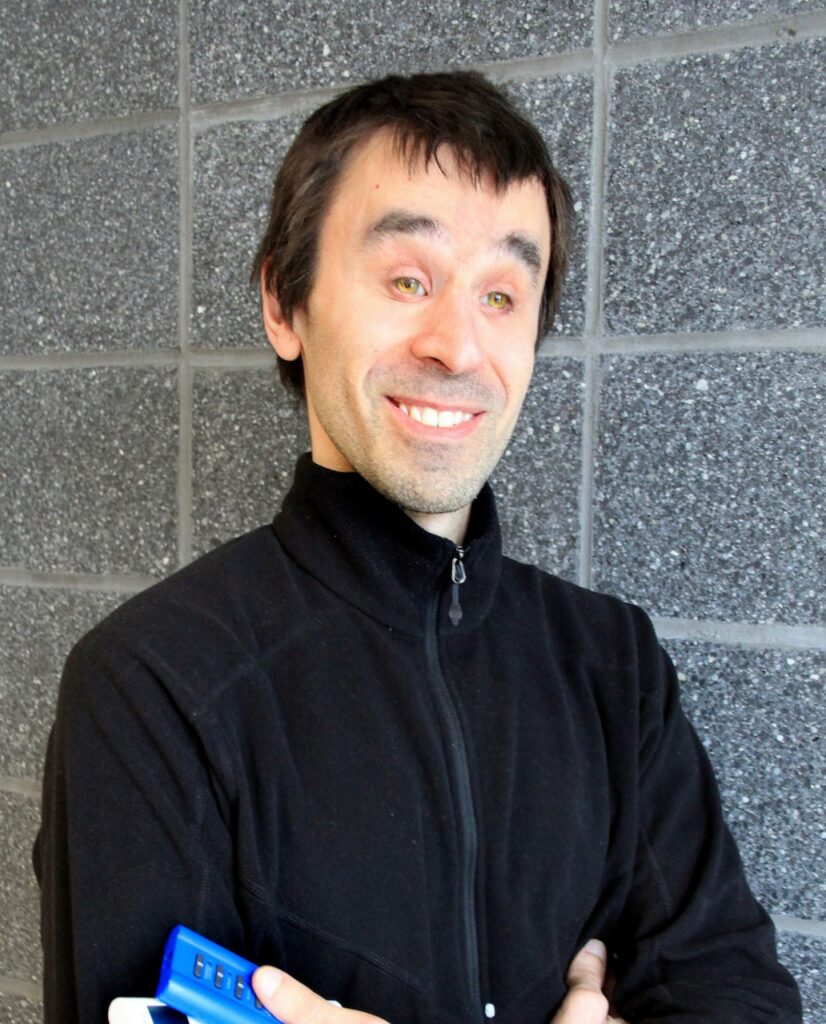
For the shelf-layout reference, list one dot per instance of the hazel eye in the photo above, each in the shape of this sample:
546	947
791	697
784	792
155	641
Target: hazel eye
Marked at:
497	300
409	285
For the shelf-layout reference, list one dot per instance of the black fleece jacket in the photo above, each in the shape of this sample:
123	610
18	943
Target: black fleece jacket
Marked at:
291	747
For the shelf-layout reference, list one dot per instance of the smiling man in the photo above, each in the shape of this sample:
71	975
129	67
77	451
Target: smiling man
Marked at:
418	335
359	745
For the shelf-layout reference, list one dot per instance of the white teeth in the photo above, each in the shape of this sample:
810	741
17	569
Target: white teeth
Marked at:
434	417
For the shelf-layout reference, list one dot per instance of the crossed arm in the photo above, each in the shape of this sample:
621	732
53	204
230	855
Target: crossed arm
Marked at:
127	786
294	1003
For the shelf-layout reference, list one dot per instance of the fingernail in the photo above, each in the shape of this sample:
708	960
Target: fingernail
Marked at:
597	947
265	981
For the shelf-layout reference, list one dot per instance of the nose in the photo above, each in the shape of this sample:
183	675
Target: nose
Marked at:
449	334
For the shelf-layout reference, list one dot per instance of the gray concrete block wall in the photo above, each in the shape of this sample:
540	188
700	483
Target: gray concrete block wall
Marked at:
671	448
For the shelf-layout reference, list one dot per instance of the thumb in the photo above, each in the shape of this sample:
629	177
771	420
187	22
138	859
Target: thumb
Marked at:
585	1002
287	999
290	1002
587	969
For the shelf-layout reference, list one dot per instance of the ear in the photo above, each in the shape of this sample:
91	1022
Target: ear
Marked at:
281	334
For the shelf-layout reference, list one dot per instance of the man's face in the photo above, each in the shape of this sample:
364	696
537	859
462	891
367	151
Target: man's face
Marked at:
419	332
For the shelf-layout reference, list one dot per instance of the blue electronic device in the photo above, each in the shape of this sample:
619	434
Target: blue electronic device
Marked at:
207	982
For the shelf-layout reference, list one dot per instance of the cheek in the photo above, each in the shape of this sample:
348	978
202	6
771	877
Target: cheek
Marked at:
356	328
387	322
516	370
324	344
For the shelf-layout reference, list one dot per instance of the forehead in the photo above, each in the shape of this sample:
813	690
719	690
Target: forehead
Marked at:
377	177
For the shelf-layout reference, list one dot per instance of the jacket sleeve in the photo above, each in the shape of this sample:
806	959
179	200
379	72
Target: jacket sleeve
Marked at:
133	839
693	944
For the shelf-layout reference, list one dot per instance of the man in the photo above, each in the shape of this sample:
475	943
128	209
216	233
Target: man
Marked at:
360	745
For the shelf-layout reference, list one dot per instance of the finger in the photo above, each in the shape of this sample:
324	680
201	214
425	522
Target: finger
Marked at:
585	1002
587	969
294	1003
289	1000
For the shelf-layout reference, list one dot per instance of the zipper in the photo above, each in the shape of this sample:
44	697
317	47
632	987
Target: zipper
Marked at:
458	759
457	577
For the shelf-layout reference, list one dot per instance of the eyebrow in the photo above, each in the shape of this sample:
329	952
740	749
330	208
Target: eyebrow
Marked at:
397	222
524	249
400	222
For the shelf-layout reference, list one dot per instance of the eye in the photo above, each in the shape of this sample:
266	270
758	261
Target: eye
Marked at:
409	285
497	300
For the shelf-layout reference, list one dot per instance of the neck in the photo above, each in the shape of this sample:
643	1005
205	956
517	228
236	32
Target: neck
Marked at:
452	525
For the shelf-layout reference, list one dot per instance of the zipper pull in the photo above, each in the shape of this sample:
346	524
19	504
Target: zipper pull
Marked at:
457	576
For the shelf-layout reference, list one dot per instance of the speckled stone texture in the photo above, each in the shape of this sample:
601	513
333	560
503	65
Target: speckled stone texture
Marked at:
88	469
562	110
244	49
39	628
73	61
708	491
94	226
19	898
805	957
761	714
627	19
715	203
246	438
235	165
537	481
17	1010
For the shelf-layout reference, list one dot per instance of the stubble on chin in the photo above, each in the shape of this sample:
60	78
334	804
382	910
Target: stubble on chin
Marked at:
428	477
432	482
414	496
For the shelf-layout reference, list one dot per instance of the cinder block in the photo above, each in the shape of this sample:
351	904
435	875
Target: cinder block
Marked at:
235	165
20	955
246	439
708	495
537	481
562	109
84	63
805	956
93	229
40	627
714	199
761	715
17	1010
627	19
243	50
88	478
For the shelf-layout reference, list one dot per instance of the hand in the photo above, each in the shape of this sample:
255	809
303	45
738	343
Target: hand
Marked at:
294	1003
586	1003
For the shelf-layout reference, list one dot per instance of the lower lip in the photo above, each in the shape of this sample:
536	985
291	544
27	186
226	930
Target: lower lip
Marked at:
457	433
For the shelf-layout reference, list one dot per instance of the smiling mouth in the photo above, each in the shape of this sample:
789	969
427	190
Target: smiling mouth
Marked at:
430	416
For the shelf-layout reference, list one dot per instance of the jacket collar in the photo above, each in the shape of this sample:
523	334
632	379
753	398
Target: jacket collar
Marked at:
363	547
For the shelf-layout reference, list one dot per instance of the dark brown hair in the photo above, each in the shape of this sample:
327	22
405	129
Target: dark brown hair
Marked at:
462	110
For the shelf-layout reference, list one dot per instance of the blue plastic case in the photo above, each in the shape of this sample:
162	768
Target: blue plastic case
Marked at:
207	982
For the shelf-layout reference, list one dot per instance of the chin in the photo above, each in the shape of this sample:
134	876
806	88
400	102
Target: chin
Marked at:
414	496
